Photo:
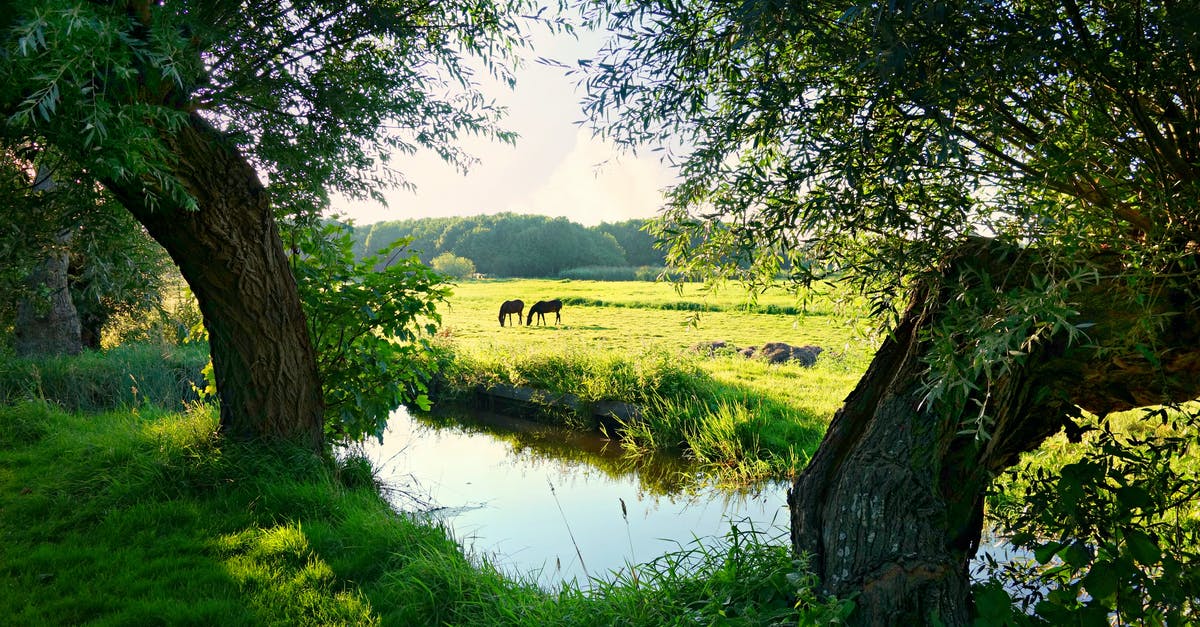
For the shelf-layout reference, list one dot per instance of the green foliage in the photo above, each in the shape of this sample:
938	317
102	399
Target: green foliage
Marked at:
105	84
175	320
989	330
509	245
836	136
116	270
1114	528
369	328
144	518
636	240
453	266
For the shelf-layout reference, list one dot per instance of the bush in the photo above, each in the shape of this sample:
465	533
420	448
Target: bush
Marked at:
451	265
369	328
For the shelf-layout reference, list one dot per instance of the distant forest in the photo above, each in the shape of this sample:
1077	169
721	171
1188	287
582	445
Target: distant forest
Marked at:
512	245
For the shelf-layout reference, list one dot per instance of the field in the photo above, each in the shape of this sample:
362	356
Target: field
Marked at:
631	341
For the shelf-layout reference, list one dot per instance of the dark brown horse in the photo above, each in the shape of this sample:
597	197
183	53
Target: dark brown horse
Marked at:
511	307
543	307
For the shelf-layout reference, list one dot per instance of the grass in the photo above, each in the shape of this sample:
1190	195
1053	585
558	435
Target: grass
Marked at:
743	420
147	517
130	375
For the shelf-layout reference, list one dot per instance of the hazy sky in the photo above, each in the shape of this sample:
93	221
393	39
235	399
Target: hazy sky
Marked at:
555	169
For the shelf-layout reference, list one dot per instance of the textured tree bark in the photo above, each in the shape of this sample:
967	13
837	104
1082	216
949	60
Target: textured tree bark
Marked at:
50	328
891	505
231	255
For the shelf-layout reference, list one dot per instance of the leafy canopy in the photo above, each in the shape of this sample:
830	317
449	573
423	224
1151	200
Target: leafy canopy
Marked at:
872	137
868	140
317	94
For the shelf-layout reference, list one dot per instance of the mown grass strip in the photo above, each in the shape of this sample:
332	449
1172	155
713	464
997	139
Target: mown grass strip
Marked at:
686	305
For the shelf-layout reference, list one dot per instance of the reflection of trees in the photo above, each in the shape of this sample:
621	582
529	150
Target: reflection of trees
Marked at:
659	474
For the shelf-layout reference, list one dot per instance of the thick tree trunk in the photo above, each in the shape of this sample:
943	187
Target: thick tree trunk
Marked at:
50	327
891	505
231	255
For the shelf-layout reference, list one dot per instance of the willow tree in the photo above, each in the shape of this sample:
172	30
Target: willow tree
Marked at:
1019	181
181	109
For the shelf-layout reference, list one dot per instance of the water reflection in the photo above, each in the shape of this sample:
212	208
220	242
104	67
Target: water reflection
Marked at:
553	504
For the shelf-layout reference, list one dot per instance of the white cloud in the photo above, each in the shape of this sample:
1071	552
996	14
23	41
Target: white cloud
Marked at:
555	169
594	183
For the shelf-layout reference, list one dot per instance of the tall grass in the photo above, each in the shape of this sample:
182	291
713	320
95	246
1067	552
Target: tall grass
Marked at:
151	518
130	375
734	431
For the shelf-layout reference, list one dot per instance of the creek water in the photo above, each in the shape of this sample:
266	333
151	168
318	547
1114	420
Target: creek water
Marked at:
551	505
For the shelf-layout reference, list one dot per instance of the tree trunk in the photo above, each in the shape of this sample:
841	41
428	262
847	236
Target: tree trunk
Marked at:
231	255
50	327
891	505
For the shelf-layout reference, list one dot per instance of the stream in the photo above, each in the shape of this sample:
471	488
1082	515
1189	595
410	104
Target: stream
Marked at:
550	504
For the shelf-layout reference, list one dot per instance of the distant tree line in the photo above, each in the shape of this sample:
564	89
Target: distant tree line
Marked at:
511	245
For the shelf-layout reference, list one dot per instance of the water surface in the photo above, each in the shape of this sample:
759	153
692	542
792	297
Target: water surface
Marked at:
552	504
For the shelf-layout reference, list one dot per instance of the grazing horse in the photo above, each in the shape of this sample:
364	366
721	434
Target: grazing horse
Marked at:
543	307
511	307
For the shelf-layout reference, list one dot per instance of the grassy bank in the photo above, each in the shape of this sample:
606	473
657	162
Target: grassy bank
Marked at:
145	517
745	420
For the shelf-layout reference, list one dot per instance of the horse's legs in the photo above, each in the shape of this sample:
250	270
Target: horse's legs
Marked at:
557	317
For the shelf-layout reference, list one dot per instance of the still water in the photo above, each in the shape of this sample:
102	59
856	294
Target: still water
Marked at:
553	505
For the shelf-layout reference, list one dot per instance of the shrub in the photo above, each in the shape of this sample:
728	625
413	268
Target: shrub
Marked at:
451	265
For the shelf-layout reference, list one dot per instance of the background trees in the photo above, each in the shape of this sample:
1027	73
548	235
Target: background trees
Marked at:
104	262
881	141
518	245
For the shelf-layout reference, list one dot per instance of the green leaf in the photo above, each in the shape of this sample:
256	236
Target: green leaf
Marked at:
1134	497
1101	581
1046	552
1077	554
1054	613
1143	547
992	603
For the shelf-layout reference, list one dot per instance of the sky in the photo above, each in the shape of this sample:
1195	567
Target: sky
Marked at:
556	168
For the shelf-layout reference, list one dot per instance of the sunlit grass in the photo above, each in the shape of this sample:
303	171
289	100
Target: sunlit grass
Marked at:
152	518
743	419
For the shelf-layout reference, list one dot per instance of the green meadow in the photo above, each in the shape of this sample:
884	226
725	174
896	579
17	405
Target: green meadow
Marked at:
743	419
